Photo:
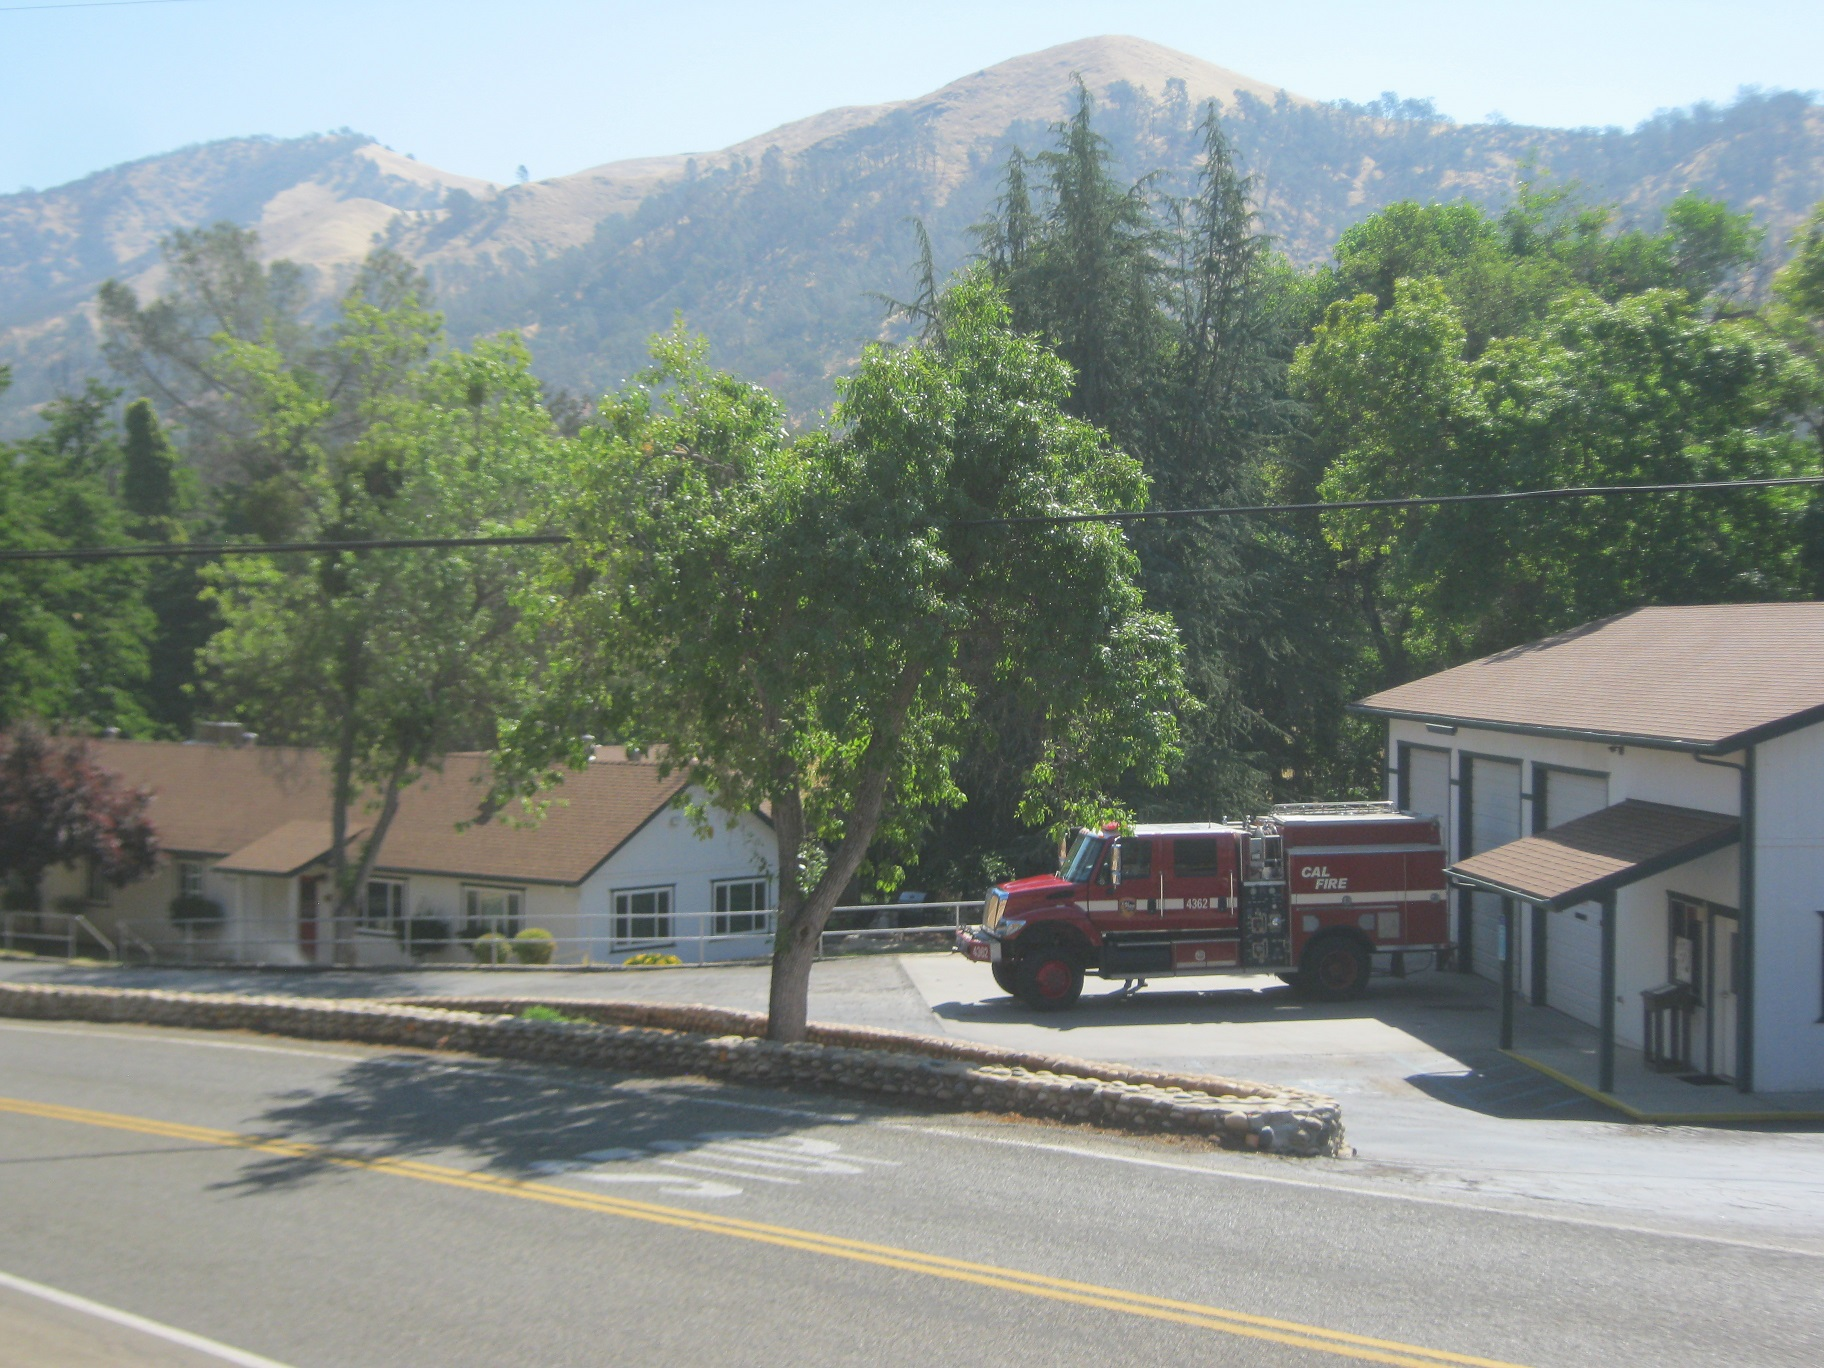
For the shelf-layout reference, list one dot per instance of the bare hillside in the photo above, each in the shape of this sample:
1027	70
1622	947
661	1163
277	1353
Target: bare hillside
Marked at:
777	245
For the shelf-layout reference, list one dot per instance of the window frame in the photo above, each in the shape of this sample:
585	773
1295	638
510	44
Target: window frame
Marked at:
393	916
665	930
190	878
509	925
755	918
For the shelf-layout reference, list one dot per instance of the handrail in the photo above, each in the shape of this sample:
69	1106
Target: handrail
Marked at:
95	931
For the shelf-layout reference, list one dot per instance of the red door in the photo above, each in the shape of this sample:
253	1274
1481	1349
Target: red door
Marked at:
307	918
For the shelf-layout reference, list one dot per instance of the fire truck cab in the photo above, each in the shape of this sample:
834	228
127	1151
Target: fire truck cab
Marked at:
1310	891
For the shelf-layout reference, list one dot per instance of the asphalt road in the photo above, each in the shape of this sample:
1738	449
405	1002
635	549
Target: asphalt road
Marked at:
341	1206
1431	1107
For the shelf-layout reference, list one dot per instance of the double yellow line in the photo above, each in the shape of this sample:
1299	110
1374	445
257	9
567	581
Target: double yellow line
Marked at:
1289	1333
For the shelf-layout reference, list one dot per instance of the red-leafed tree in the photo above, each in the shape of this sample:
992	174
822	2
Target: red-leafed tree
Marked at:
58	806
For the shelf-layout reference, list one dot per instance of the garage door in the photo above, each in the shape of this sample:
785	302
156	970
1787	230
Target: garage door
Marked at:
1494	820
1573	937
1427	788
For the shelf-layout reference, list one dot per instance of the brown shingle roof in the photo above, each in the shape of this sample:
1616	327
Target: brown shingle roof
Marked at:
219	800
1592	855
1714	677
283	850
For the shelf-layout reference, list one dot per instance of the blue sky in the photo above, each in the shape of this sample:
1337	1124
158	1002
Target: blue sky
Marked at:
560	85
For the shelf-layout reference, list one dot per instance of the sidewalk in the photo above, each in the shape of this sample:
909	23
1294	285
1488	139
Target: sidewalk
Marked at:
1566	1050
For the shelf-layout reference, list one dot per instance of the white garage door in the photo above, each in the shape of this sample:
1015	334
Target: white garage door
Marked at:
1494	820
1573	937
1428	786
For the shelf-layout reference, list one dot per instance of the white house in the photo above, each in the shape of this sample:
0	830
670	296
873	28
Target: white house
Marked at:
613	868
1638	804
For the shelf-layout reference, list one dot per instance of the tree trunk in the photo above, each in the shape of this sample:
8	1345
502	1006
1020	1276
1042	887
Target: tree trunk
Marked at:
341	930
801	922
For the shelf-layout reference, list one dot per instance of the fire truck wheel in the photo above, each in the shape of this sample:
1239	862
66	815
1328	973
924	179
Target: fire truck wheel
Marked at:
1003	975
1049	978
1335	969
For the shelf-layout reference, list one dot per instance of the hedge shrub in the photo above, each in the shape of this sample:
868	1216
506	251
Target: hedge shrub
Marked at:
534	945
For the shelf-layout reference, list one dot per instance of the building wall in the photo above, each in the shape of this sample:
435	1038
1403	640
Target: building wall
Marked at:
1789	875
143	908
669	853
1788	930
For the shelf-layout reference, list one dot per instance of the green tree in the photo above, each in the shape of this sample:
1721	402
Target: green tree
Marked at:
1647	389
149	482
806	624
73	634
386	660
1081	268
170	348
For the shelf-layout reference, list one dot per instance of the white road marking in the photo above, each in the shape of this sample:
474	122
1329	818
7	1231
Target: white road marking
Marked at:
751	1156
1202	1172
169	1333
746	1175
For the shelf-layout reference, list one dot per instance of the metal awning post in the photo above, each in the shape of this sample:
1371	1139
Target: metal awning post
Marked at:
1507	973
1605	1059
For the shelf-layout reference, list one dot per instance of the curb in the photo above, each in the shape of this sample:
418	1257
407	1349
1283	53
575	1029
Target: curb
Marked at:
1263	1118
1681	1118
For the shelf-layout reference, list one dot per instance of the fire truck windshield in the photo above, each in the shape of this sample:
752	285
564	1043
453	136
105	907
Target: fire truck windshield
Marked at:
1081	862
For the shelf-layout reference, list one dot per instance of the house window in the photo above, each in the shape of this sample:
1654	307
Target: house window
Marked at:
190	879
491	909
384	908
740	906
642	914
99	892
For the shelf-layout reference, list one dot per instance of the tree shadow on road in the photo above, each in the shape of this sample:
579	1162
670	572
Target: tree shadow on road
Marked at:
502	1117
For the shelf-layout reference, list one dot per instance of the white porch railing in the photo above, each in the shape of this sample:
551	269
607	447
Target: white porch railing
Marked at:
52	933
867	928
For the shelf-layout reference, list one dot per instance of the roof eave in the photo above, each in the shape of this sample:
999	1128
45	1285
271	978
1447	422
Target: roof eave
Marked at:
1596	888
1607	738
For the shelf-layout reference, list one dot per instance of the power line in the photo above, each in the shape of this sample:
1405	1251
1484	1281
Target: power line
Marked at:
146	550
1426	501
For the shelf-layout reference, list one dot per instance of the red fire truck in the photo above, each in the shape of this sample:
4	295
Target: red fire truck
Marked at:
1311	892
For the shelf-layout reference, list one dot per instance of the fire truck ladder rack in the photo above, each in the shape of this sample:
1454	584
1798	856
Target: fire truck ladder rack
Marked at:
1357	809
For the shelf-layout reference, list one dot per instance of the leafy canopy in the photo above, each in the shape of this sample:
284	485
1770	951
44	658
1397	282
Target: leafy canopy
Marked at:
806	622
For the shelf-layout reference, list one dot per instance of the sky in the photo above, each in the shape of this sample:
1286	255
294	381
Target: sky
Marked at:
561	85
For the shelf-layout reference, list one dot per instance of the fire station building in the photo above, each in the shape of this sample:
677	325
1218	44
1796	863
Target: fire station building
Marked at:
1635	814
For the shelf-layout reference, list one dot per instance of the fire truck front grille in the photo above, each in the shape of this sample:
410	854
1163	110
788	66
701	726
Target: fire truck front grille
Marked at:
992	907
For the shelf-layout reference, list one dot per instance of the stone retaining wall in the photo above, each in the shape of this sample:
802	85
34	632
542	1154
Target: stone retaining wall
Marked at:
718	1021
975	1078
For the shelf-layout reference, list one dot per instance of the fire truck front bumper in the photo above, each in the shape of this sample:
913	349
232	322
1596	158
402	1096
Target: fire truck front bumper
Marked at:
976	944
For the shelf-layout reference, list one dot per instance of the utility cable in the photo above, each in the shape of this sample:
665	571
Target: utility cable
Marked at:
153	549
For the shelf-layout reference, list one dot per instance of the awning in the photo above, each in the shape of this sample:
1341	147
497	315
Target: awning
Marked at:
284	850
1590	856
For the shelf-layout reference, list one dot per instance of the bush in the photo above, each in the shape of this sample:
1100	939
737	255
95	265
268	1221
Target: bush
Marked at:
534	946
490	947
552	1014
422	934
196	911
651	958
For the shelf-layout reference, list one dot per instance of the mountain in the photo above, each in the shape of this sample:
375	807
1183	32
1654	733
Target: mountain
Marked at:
779	247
